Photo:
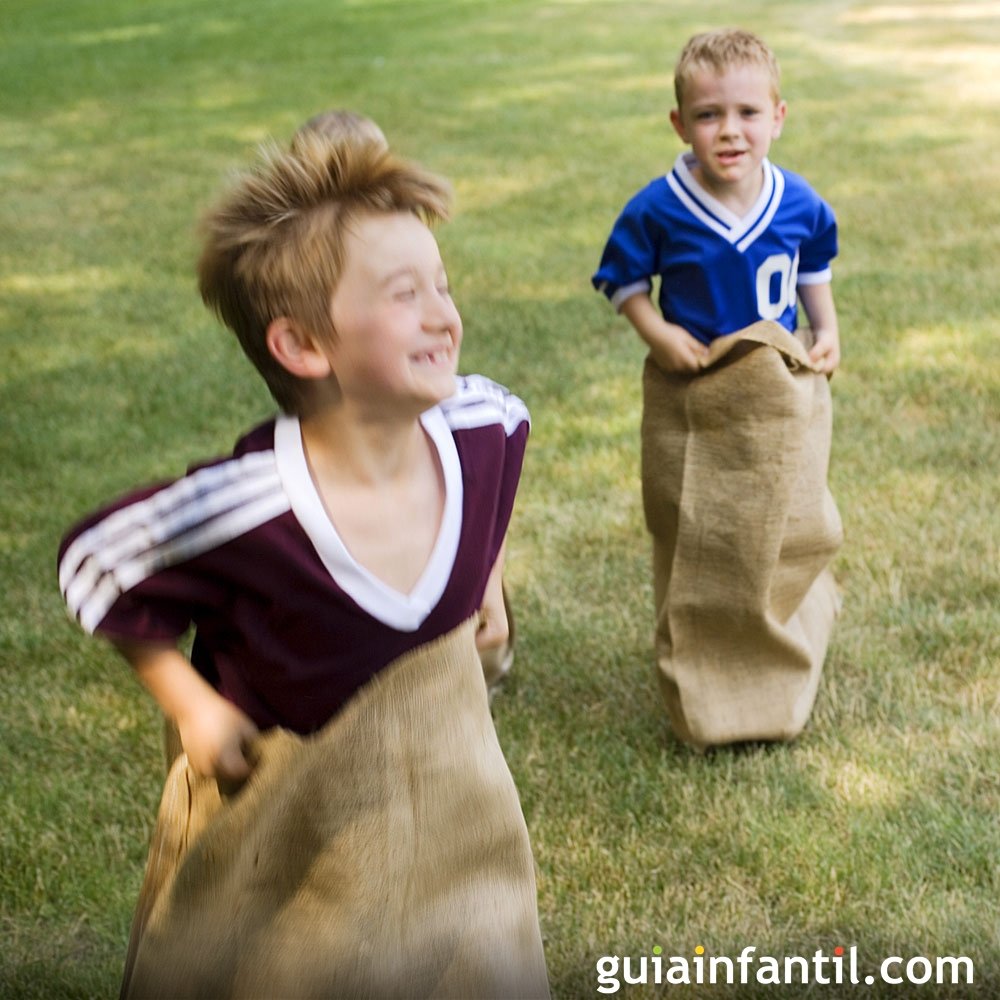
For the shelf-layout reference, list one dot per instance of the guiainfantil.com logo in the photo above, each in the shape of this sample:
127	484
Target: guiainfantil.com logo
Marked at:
840	967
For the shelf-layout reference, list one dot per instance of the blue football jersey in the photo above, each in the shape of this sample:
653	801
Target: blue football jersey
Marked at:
719	272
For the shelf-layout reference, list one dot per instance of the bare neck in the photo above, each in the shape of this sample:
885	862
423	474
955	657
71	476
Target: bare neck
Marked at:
363	451
383	487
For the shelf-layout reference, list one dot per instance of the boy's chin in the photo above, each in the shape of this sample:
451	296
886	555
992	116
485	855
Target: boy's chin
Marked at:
433	389
445	385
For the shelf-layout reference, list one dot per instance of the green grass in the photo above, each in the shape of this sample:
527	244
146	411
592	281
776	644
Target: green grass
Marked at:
878	827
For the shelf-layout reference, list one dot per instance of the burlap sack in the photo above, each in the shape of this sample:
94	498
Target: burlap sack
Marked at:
387	856
734	467
496	662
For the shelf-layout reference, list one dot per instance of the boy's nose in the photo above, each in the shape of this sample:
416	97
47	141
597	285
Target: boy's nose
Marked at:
731	123
441	314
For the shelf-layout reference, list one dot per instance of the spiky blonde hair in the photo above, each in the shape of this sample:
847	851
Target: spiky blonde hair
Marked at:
719	50
274	244
341	125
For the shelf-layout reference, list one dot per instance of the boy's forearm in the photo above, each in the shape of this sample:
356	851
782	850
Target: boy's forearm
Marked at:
494	585
169	677
493	627
645	318
817	302
214	732
672	347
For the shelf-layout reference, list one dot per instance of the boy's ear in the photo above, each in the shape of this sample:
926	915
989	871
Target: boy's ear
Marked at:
678	124
780	110
296	350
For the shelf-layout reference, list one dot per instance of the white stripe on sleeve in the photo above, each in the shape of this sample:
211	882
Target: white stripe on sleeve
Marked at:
191	516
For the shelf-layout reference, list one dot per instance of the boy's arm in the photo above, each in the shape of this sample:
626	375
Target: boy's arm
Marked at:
817	301
494	629
213	731
672	347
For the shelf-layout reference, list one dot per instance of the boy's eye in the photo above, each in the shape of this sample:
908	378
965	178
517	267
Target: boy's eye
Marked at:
404	294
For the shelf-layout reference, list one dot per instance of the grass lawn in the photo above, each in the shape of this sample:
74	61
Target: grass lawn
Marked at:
878	829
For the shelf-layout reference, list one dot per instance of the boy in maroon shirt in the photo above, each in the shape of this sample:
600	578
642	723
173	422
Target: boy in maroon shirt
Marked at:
369	517
361	529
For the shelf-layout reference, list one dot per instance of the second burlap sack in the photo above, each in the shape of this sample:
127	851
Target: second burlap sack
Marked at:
734	471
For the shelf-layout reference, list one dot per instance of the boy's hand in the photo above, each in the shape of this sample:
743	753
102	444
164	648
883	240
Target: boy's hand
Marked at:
825	353
817	300
678	352
672	347
494	629
216	736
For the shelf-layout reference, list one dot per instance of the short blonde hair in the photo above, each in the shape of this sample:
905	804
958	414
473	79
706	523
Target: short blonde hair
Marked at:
719	50
341	125
274	245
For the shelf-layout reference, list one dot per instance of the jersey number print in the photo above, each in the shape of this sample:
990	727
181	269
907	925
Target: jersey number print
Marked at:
776	281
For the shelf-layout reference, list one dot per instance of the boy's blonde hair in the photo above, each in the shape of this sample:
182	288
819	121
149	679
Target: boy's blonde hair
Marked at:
719	50
274	245
341	125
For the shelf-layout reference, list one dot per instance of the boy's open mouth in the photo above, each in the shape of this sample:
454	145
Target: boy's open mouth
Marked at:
435	359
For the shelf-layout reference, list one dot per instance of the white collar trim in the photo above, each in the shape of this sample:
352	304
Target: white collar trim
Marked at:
404	612
722	220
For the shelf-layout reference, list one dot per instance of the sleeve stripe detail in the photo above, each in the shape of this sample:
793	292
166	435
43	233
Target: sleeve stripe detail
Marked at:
190	517
479	402
815	277
626	292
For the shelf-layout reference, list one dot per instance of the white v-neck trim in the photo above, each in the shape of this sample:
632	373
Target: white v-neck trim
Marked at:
738	230
405	612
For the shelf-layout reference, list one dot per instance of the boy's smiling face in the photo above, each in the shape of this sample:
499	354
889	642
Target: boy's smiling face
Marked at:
398	332
730	119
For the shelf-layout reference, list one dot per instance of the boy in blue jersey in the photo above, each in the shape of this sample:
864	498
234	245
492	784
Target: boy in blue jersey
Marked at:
734	455
733	238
